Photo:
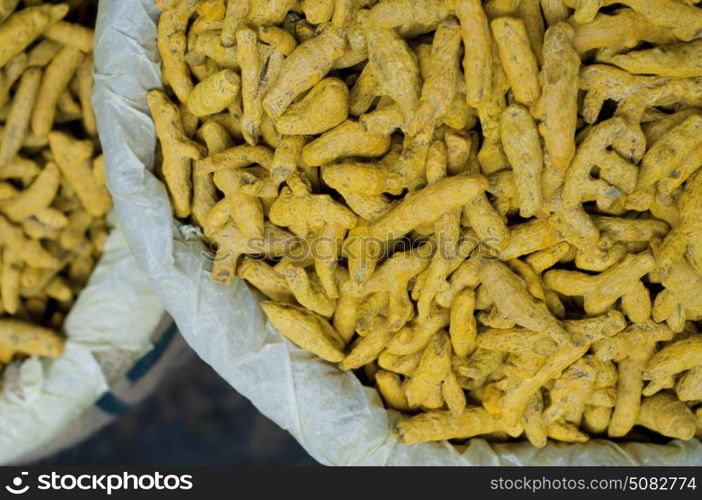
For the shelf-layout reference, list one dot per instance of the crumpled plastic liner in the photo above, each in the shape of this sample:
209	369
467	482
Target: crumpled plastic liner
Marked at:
336	419
117	309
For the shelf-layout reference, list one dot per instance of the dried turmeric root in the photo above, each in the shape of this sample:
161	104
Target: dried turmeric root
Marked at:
54	199
443	194
19	337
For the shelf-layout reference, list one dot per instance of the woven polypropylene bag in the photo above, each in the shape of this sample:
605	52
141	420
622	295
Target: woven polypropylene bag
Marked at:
110	326
335	418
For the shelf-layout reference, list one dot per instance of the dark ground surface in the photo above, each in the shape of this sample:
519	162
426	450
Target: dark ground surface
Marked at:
193	418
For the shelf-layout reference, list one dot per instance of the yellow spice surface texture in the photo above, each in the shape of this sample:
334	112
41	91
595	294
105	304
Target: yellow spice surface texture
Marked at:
491	211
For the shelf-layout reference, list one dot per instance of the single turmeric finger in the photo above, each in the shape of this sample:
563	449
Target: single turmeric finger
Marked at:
178	150
567	432
665	414
344	320
426	205
477	58
463	329
172	44
366	178
516	341
517	59
308	291
630	230
287	158
371	312
84	74
56	78
390	388
306	329
415	336
544	259
19	115
619	31
209	44
530	13
558	105
396	13
10	281
634	337
214	94
303	68
278	38
678	60
364	91
40	231
675	358
441	425
74	159
324	107
251	60
37	196
367	348
244	209
529	237
453	394
52	217
535	428
318	11
522	145
689	386
439	89
596	419
232	158
327	247
434	366
347	139
266	280
396	69
19	337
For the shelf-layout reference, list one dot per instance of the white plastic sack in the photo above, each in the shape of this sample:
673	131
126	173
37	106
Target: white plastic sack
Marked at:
335	418
117	309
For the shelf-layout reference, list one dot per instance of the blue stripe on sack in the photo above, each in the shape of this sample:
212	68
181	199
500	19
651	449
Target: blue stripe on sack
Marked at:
110	404
143	365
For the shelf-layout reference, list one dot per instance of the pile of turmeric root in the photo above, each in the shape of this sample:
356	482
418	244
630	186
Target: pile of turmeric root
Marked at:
492	211
53	198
